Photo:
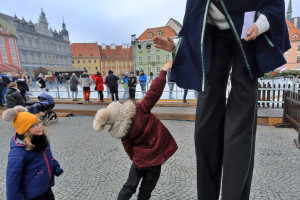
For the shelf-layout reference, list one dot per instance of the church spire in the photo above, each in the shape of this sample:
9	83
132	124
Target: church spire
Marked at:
289	11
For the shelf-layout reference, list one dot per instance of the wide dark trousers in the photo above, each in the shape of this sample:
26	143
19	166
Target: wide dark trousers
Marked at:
150	176
225	133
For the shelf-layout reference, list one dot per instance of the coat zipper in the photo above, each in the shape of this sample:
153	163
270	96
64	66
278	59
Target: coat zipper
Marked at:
202	44
237	37
46	159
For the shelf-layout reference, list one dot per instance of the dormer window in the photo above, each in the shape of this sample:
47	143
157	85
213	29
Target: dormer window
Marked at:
296	35
79	54
159	33
150	34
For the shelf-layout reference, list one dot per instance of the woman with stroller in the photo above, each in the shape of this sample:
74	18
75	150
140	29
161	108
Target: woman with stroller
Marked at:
23	87
13	96
74	81
99	85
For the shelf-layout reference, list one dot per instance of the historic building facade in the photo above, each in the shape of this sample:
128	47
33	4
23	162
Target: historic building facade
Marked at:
38	45
117	58
292	56
86	56
9	57
146	55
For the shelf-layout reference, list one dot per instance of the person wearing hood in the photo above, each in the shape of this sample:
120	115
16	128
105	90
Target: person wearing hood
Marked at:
148	143
13	96
74	81
112	81
31	166
249	37
23	87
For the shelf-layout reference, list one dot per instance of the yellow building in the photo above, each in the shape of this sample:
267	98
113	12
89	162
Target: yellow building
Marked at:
86	56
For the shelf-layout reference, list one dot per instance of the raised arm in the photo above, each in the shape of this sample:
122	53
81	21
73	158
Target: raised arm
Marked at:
156	89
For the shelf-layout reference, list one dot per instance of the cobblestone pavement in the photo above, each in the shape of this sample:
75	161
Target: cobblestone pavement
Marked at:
96	166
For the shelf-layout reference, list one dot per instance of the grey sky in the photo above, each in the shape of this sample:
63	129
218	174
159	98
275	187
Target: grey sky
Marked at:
103	21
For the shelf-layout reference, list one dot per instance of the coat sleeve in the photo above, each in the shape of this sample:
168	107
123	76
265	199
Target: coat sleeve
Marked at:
275	13
14	175
128	148
154	93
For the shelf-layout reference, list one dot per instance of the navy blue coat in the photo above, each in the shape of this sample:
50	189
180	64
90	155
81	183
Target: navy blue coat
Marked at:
29	173
192	57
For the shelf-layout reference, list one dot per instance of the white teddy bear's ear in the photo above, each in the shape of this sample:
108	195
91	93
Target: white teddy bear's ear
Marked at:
100	120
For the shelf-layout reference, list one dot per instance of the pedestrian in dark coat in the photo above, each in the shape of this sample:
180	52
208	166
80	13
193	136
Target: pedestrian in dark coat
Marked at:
146	140
74	81
112	81
2	86
23	87
31	166
13	96
6	82
132	82
213	40
99	84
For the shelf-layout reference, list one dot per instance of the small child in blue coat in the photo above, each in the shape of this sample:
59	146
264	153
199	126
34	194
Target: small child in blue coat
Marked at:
31	166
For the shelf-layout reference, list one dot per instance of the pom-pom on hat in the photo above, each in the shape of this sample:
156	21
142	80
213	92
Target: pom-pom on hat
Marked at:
21	119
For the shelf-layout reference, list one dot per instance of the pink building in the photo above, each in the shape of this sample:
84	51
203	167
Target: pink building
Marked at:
292	56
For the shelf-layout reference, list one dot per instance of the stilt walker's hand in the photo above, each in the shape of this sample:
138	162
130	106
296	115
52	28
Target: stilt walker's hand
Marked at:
164	44
252	33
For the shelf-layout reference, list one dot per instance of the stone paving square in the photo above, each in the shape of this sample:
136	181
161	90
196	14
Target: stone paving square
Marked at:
96	166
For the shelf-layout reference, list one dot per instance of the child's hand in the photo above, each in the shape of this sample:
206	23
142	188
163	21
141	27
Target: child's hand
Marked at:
167	66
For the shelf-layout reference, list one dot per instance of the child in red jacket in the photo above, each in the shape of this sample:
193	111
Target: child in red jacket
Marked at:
146	140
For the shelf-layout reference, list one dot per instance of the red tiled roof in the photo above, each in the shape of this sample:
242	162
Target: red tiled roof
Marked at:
292	30
118	53
84	50
9	68
166	32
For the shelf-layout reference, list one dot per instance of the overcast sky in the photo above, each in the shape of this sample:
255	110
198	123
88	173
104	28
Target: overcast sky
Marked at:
103	21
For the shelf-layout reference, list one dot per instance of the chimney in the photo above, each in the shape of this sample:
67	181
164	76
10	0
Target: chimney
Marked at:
296	21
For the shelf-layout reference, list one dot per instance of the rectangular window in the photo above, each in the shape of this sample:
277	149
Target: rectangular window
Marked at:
157	70
149	70
140	47
140	59
298	59
95	61
157	57
96	68
89	68
29	43
83	61
148	47
113	64
78	61
298	47
108	64
103	64
120	64
89	61
1	41
167	56
123	64
148	58
36	44
73	61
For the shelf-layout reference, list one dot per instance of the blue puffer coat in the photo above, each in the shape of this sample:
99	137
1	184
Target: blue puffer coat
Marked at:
29	173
